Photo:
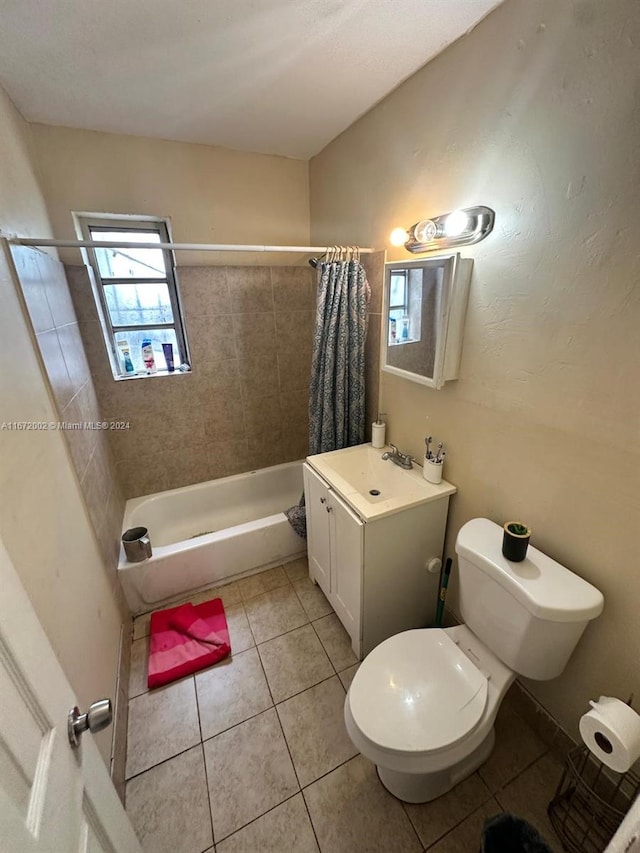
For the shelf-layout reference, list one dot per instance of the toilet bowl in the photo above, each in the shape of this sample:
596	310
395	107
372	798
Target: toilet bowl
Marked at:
423	703
429	726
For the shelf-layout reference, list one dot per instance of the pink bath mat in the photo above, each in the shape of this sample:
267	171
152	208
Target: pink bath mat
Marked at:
186	639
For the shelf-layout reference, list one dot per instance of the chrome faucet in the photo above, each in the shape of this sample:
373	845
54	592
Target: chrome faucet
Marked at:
403	460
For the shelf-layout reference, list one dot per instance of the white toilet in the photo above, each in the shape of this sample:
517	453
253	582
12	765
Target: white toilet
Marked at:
423	703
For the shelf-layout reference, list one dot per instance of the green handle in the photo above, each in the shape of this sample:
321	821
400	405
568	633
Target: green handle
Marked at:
443	592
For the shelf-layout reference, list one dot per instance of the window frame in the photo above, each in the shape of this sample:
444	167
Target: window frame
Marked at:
90	226
405	288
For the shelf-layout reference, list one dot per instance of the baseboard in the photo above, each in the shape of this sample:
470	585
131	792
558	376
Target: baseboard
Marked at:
121	711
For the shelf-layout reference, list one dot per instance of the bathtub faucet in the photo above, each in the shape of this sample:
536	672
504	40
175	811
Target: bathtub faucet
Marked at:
402	460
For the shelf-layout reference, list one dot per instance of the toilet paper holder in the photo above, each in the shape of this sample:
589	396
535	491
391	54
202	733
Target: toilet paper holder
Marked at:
590	802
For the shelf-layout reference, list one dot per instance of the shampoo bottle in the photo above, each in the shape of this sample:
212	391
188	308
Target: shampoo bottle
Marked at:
147	356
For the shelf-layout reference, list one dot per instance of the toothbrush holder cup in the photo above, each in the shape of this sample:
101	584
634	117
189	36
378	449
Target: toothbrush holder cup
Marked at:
432	470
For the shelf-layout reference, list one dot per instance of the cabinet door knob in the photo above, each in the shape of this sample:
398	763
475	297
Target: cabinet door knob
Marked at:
329	508
323	500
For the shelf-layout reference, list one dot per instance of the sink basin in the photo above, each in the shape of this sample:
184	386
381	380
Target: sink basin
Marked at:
374	487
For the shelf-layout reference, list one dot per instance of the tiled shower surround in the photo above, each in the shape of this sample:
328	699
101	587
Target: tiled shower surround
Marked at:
54	322
245	403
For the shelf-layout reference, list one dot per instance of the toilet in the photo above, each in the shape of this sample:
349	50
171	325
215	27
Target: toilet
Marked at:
423	703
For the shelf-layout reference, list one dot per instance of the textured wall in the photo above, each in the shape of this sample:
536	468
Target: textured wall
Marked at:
43	520
212	195
534	113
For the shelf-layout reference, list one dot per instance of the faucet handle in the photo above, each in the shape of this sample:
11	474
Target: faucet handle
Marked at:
394	448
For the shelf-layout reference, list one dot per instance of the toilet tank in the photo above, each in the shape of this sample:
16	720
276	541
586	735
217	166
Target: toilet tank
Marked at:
530	614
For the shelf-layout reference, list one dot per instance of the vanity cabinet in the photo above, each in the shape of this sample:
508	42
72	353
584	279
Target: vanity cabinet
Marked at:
373	571
335	537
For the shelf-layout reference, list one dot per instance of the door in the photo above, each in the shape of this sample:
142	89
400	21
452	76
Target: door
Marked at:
316	495
347	535
53	799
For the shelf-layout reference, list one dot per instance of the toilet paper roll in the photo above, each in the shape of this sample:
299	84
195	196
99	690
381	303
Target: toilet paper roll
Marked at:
611	731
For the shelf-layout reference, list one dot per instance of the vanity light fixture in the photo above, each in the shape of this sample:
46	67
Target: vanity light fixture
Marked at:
459	228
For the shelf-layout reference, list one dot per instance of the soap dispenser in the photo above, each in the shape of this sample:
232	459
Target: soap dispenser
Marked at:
378	430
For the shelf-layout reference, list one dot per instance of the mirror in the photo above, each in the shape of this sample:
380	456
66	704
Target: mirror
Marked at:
423	317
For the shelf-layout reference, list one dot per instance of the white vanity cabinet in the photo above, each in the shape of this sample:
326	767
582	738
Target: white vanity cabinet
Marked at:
335	542
373	569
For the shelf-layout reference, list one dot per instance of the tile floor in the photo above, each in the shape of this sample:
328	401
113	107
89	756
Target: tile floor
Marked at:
252	754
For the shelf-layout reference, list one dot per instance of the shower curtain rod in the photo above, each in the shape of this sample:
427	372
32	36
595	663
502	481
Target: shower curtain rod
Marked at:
179	247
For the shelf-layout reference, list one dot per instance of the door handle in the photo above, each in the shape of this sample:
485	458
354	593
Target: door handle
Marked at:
98	717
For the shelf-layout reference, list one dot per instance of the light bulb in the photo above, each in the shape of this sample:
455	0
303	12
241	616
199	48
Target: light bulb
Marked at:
425	231
456	223
398	237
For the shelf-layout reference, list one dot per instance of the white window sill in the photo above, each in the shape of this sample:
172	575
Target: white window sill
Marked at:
128	376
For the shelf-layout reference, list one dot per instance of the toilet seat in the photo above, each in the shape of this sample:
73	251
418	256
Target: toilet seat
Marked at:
417	692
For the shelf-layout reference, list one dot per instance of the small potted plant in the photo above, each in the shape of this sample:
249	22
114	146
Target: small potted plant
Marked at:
515	541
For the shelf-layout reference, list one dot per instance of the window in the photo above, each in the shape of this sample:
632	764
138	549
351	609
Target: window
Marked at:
405	306
137	292
398	300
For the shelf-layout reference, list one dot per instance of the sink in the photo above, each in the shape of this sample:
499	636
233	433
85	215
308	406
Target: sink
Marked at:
372	486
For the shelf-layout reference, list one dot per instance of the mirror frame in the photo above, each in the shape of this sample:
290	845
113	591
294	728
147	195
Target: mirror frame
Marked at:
455	282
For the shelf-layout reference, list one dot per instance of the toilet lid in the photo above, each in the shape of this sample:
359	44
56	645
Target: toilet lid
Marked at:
417	692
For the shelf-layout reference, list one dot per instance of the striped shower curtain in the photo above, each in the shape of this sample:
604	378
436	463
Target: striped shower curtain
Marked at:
337	401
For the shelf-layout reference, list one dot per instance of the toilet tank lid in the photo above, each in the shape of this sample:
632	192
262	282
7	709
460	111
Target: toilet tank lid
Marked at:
546	588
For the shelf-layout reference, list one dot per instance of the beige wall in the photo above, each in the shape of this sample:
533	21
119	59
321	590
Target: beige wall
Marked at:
532	114
212	195
245	403
43	520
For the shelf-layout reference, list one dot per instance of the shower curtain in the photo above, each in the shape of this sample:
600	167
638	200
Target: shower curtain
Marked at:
336	401
336	398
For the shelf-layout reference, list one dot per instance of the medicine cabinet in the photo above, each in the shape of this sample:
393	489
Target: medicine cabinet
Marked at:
425	303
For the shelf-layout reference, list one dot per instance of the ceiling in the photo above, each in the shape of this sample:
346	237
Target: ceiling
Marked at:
272	76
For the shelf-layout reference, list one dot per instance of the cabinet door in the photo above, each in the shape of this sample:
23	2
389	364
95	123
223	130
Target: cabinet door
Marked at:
347	534
316	494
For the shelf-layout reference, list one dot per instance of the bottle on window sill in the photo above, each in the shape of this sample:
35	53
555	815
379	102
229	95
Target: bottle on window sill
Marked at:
125	352
147	356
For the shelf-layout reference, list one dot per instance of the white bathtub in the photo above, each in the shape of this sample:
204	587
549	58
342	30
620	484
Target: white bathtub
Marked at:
211	533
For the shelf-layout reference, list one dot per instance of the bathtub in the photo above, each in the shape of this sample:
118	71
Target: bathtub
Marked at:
211	533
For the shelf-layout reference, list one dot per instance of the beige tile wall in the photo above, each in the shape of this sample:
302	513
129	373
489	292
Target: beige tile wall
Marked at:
243	406
54	322
245	403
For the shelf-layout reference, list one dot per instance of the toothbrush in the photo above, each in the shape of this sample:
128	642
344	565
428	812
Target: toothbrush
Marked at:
440	446
428	441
